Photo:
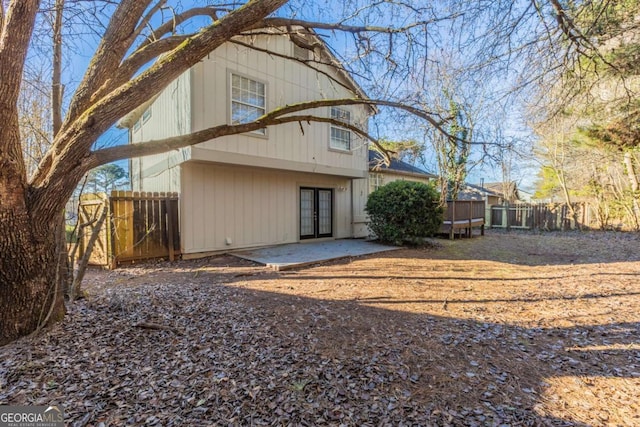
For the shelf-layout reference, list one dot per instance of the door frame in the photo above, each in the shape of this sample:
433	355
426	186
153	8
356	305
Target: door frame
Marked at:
316	218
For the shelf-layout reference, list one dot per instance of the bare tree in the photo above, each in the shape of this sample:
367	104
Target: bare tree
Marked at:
143	45
453	150
35	120
558	153
117	80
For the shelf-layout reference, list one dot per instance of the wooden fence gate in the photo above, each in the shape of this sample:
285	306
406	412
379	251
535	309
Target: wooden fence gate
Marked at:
141	225
90	208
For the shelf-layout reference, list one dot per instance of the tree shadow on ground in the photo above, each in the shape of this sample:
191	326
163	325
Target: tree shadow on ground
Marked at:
531	248
410	337
230	355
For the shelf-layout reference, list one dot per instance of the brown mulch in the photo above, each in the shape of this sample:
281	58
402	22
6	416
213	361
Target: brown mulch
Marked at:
512	329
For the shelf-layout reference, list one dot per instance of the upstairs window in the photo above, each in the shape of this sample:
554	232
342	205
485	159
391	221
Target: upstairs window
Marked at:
248	100
146	115
340	137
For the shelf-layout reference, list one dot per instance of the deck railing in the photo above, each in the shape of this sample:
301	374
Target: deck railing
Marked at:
463	216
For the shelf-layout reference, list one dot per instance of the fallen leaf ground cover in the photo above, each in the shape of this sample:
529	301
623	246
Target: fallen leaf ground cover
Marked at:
511	329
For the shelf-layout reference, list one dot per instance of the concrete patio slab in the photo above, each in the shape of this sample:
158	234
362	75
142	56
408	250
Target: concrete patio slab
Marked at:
301	254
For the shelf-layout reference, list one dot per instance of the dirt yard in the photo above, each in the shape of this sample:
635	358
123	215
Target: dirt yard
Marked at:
506	330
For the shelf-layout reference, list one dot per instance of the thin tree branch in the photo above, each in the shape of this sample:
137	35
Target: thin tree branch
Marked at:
75	139
117	39
59	171
284	22
277	117
309	62
170	26
56	79
144	23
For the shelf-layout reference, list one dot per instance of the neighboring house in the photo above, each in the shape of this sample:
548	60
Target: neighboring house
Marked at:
381	173
279	185
492	193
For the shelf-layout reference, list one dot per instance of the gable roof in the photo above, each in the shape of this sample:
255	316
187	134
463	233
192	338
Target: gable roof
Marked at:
316	42
333	60
377	164
474	191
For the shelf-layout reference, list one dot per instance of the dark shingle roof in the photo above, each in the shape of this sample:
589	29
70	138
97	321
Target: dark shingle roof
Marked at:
471	192
491	189
377	164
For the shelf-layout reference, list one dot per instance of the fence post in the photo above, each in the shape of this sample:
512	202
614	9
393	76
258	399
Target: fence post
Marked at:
111	231
453	219
487	214
170	228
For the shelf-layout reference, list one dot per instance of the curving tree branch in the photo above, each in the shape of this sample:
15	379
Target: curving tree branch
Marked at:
115	43
276	117
73	142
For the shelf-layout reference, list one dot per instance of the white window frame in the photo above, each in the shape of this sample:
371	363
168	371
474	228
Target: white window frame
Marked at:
344	115
376	180
233	101
146	115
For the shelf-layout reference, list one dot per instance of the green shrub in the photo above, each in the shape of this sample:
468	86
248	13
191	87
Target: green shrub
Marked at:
404	211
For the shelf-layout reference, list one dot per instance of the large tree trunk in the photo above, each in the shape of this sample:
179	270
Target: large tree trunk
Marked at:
30	294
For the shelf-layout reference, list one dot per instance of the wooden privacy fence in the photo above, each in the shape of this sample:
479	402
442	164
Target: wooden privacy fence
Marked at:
89	210
462	216
141	225
539	216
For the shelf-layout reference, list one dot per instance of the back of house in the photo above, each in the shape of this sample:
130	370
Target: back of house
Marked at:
283	184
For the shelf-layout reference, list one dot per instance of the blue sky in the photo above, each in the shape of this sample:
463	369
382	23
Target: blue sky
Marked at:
326	10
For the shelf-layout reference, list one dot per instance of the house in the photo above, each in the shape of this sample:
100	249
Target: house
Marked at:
382	172
283	184
491	192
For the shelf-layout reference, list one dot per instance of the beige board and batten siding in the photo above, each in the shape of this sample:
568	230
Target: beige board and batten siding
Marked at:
360	218
296	146
169	114
238	207
245	189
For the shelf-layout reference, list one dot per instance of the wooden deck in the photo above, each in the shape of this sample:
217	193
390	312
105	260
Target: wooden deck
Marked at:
462	216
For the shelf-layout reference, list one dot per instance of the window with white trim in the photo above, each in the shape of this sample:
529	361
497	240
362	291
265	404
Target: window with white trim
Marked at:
376	180
146	115
248	100
340	137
